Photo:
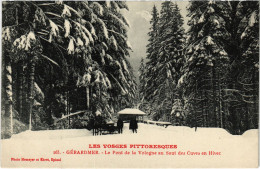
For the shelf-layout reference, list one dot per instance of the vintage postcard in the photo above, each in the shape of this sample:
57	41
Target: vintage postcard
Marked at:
130	84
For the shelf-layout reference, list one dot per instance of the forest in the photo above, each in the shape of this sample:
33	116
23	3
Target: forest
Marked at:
207	76
60	58
64	57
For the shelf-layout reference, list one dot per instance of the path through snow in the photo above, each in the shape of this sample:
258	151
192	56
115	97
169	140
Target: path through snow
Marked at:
236	151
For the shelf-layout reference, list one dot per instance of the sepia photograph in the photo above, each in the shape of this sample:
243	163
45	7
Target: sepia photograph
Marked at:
129	84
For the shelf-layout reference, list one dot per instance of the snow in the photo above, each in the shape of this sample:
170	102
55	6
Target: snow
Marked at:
69	115
202	18
237	149
129	45
73	10
38	90
104	83
210	2
105	46
169	73
54	28
108	82
158	122
216	22
71	46
88	77
30	37
97	76
190	59
118	21
108	4
115	6
252	19
122	76
59	2
131	111
6	33
52	134
180	81
79	42
66	11
125	66
98	113
209	40
223	52
109	57
118	64
250	133
211	10
144	130
92	29
127	22
243	35
113	42
89	34
67	27
85	38
9	70
98	7
104	28
197	47
20	42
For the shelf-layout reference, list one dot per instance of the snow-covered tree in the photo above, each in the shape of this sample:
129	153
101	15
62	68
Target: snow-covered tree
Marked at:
215	74
170	59
243	49
152	55
165	58
85	44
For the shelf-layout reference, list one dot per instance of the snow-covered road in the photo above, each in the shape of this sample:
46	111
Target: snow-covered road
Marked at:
235	151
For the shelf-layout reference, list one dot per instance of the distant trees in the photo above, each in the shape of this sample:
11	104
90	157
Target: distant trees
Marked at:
61	57
165	58
215	80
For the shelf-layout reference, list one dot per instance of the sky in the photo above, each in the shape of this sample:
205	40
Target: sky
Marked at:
139	16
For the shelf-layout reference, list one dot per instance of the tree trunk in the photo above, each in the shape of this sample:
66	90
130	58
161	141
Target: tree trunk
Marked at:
213	80
195	110
8	100
220	102
206	109
69	107
224	116
31	91
203	94
87	95
256	98
20	76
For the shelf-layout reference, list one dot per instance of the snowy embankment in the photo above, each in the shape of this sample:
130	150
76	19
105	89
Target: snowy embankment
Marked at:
236	150
144	131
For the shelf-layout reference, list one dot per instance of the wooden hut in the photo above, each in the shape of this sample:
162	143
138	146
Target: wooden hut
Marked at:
127	114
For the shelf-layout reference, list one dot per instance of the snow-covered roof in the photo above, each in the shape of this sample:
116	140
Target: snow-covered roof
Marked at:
131	111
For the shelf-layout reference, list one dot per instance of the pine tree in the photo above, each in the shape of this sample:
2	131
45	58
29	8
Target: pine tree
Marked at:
243	19
165	58
215	76
207	60
152	52
142	83
79	44
171	37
